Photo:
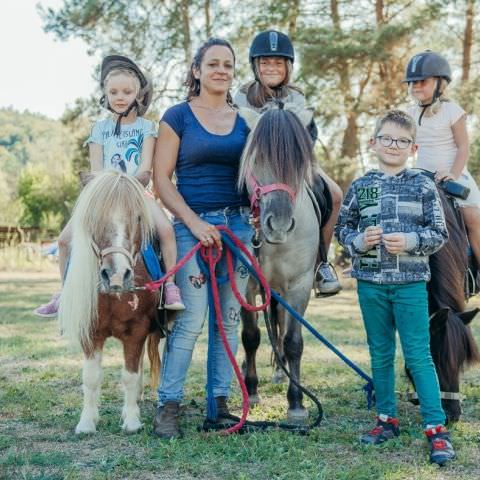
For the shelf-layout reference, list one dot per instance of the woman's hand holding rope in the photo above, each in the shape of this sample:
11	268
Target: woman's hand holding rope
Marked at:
206	233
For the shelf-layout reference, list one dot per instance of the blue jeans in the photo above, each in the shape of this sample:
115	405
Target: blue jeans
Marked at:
386	308
189	322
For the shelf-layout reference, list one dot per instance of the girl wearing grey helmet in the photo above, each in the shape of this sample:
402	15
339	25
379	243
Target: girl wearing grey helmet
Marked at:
124	141
271	58
442	133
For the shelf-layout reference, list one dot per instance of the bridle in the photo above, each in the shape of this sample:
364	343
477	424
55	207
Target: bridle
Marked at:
258	191
102	253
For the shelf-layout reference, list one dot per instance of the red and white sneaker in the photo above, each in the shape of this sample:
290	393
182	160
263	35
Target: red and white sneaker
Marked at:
386	429
172	297
441	449
50	309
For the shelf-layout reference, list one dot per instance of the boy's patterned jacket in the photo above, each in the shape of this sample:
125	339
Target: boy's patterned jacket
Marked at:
407	202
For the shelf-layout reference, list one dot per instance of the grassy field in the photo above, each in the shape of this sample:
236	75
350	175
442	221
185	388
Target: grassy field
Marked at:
40	403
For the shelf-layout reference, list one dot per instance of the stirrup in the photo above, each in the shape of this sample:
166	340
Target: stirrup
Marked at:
317	292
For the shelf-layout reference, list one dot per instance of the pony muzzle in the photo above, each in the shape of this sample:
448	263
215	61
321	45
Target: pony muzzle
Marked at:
115	281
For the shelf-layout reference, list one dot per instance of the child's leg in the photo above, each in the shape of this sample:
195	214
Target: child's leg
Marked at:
471	217
166	235
377	316
64	241
337	198
412	321
50	309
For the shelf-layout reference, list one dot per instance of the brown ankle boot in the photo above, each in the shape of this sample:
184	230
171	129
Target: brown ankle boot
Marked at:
222	408
165	424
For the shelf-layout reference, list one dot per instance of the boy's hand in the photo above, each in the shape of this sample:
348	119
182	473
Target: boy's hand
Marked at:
395	243
372	236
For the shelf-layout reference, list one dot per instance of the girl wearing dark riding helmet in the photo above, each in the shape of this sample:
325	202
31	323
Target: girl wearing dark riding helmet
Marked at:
124	141
442	134
271	58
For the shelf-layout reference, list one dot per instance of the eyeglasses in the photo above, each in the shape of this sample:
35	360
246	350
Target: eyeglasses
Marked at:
387	141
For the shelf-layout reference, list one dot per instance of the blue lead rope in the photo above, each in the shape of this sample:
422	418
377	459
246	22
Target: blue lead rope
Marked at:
368	387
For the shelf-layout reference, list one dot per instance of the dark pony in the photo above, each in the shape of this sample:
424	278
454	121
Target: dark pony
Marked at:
451	341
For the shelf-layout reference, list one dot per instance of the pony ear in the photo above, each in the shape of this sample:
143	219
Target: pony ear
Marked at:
439	318
86	177
250	116
144	178
467	317
305	115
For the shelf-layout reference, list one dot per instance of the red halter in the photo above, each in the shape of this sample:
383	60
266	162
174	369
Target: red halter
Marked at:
259	190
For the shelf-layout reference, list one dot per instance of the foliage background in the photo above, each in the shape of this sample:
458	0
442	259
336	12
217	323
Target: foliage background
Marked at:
350	62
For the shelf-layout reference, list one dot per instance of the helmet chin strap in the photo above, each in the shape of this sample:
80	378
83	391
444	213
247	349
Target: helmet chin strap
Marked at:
424	106
134	104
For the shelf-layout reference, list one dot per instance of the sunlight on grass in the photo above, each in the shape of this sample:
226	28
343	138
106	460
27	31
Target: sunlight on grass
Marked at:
40	398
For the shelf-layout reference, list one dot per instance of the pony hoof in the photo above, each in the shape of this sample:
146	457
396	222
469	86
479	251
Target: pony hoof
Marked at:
254	400
297	415
85	426
279	377
132	426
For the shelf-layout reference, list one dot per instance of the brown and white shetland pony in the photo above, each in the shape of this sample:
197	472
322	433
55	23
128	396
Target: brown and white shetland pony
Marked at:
111	224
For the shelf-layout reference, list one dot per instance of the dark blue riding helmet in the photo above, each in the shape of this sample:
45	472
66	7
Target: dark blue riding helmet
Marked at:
271	44
427	64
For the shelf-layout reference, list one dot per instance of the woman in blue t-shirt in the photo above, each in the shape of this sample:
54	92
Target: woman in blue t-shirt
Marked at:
201	141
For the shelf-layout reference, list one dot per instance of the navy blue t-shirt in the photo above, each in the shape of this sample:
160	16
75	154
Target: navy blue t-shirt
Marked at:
207	164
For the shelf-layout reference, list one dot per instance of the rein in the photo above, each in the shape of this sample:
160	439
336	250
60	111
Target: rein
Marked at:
210	256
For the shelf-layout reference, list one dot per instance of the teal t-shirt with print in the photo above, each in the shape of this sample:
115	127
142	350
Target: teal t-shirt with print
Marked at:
123	152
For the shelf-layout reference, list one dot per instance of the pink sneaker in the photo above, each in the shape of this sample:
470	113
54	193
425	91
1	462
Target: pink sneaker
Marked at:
50	309
173	299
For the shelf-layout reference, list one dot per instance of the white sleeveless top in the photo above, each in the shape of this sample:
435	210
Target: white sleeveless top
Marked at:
436	146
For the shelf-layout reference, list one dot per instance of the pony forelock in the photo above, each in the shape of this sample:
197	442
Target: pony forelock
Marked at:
278	148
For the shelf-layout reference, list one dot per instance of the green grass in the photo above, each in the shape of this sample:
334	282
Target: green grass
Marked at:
40	403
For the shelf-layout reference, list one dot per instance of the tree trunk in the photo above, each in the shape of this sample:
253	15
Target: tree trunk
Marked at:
208	22
467	41
293	13
187	41
345	168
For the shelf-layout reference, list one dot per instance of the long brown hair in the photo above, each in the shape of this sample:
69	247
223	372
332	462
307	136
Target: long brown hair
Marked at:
259	93
192	83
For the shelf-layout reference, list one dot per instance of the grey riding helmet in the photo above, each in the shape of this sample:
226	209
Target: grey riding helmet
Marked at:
144	97
271	44
427	64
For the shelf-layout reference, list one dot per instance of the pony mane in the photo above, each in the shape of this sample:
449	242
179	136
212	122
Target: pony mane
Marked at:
449	264
109	192
279	147
455	345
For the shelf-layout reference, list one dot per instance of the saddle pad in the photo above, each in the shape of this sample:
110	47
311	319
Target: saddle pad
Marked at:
152	264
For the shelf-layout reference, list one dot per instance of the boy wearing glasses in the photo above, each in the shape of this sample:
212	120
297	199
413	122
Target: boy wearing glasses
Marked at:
390	222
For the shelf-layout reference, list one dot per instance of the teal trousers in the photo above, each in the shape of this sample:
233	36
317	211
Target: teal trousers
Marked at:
402	307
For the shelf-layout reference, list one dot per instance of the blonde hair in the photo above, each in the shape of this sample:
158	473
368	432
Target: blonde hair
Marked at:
122	71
